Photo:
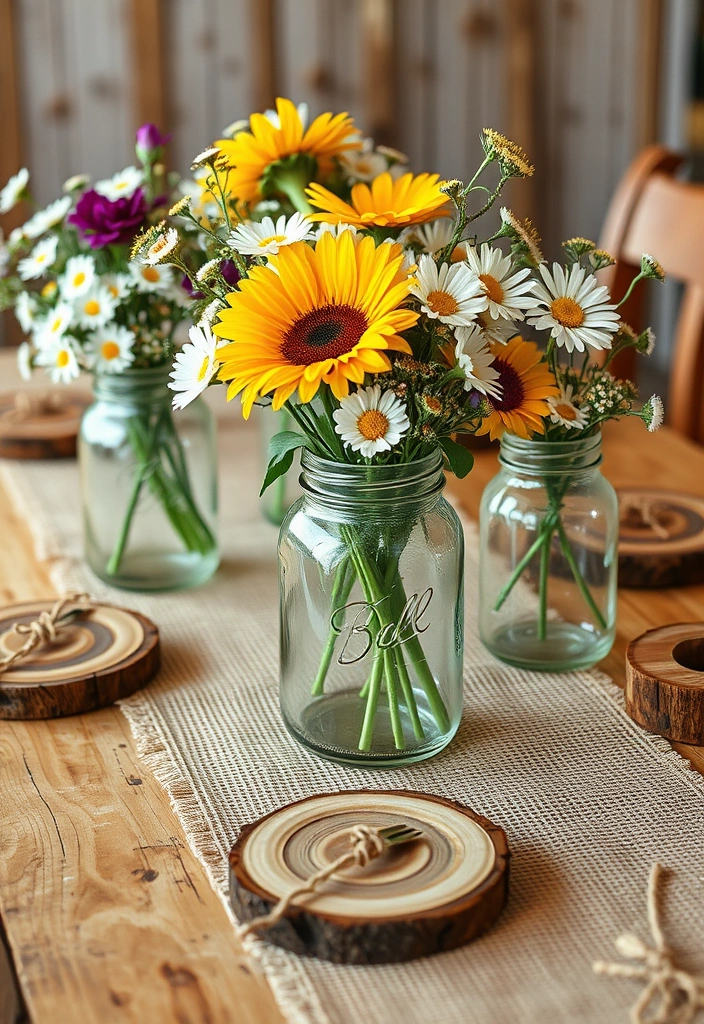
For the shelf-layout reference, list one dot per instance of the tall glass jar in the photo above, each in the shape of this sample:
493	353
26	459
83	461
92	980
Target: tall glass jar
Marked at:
548	556
148	484
371	583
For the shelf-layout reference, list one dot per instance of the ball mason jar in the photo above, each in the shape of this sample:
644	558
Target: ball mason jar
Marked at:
371	563
148	484
548	556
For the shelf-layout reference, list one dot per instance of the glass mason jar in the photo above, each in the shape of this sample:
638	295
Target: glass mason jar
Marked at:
277	499
548	556
371	563
148	484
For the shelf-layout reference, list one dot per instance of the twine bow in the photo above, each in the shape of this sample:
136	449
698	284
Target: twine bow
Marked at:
28	404
680	994
46	627
640	511
367	844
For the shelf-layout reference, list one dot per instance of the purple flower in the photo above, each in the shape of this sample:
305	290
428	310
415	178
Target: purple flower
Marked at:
230	272
102	222
189	289
149	141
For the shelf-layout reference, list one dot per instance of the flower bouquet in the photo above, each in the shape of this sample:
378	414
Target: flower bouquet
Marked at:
86	304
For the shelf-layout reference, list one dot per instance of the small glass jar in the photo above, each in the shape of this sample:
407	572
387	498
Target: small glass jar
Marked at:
278	498
148	484
548	556
371	563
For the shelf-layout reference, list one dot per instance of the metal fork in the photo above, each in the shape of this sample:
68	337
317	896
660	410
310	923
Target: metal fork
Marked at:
393	835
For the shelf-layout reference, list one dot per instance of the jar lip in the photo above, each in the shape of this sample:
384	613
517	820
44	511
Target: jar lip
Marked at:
367	473
146	380
535	455
344	482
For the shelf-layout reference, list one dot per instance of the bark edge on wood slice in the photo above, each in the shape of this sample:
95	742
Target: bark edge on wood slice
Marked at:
102	657
427	908
665	681
41	425
661	538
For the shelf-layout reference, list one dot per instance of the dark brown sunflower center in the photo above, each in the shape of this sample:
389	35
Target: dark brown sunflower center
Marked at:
324	333
512	390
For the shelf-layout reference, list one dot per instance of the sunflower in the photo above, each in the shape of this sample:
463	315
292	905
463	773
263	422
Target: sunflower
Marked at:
251	154
323	315
526	384
389	204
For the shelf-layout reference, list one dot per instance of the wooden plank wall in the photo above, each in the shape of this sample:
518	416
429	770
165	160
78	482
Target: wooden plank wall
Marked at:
562	76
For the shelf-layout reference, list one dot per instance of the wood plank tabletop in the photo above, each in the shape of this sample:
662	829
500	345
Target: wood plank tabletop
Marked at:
107	916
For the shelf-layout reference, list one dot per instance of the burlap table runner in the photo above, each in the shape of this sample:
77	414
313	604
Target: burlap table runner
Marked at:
587	799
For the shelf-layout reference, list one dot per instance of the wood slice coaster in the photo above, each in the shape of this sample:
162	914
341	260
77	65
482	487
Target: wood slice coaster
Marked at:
665	681
661	538
431	895
41	425
103	656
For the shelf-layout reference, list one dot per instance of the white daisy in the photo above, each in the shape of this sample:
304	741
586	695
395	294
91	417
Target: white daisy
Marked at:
59	361
266	237
150	279
47	218
161	248
336	230
363	164
24	360
574	308
75	182
209	313
194	366
653	413
451	294
475	360
117	284
26	311
109	350
500	331
434	235
565	412
39	260
96	307
77	277
12	191
371	421
122	185
205	156
509	291
208	270
54	325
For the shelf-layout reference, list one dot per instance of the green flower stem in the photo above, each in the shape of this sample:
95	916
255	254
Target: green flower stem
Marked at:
392	685
524	562
365	739
294	188
344	581
116	557
407	690
579	579
543	585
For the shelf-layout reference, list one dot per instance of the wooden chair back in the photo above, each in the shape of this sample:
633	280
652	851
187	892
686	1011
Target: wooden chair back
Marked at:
651	211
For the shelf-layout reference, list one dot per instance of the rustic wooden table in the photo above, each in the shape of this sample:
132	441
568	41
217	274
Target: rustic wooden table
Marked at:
106	914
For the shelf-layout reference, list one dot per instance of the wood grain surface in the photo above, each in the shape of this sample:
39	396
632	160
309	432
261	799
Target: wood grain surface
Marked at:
107	914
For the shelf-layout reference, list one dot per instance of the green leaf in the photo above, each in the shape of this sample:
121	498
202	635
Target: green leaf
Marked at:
281	449
460	459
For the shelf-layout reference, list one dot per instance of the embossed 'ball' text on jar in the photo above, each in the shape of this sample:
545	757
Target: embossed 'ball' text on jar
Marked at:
371	582
548	556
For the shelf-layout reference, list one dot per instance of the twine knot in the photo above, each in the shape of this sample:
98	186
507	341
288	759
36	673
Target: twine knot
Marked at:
366	844
46	627
680	994
639	511
28	404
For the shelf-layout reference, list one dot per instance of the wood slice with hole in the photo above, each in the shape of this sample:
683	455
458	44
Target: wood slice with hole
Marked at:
104	655
41	425
665	681
431	895
661	538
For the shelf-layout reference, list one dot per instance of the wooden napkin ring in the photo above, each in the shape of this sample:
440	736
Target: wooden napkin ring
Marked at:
665	681
434	894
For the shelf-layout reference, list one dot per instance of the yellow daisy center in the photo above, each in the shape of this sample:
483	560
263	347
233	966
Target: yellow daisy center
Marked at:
150	274
114	290
372	425
272	238
109	350
459	254
567	312
203	368
324	333
492	287
78	279
41	257
62	358
442	303
92	307
566	412
48	289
